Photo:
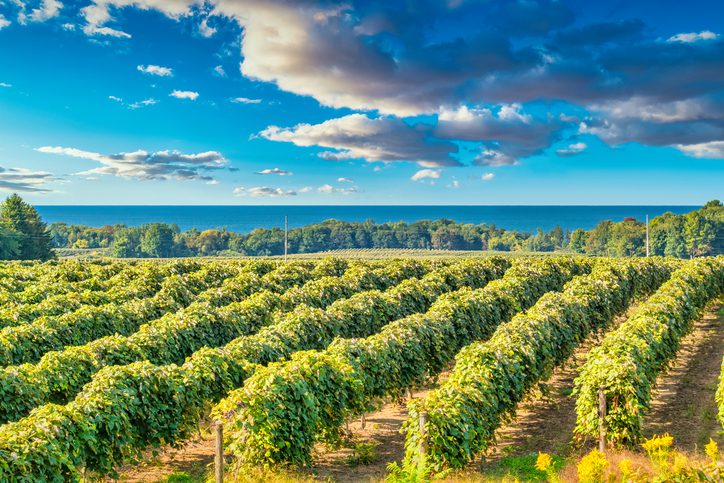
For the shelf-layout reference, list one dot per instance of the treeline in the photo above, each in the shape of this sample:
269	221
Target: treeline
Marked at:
698	233
23	234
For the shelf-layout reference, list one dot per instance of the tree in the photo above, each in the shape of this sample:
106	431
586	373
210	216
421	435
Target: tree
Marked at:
578	241
699	233
9	244
157	240
33	235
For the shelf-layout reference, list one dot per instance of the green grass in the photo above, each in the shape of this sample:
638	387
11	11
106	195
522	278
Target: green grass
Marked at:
521	468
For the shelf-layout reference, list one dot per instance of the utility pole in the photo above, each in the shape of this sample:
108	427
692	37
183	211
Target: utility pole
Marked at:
647	235
286	236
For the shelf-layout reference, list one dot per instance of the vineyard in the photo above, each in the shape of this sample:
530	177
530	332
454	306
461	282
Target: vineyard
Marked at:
105	363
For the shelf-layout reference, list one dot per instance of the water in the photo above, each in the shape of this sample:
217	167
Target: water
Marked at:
245	218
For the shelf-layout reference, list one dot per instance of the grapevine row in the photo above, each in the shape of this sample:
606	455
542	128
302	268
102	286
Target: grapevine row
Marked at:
490	378
126	409
630	358
104	287
59	375
27	343
284	408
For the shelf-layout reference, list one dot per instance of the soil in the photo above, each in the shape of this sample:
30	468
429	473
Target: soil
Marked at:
683	405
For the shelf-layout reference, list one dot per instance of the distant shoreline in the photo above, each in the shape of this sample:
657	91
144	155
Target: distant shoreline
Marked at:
245	218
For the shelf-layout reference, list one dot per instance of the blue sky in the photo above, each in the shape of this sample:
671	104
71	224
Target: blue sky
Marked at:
326	102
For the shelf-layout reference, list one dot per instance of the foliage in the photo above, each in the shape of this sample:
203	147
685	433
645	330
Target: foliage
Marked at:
240	305
490	378
630	358
698	233
20	220
269	428
126	409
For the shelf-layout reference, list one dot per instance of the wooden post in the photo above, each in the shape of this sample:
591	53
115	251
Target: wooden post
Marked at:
601	419
219	457
409	395
364	421
423	436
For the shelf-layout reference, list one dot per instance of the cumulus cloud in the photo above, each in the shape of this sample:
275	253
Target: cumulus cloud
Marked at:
487	176
190	95
328	189
263	191
24	180
344	180
407	61
155	70
144	165
509	134
277	171
245	100
426	174
694	37
357	136
46	10
4	22
572	149
713	150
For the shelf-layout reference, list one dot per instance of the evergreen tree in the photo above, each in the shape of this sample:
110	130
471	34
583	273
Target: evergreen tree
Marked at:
33	234
9	244
578	240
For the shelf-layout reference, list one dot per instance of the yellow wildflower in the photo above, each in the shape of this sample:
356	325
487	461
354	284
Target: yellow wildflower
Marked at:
658	446
592	467
712	450
543	462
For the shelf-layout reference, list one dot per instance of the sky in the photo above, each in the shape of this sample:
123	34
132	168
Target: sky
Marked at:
362	102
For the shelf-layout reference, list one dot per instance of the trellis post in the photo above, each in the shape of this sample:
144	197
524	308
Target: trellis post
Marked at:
602	419
219	456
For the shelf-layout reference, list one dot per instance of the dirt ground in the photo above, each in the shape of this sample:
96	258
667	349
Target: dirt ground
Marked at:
683	405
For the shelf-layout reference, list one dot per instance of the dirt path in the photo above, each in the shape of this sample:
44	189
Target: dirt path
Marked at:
683	403
195	458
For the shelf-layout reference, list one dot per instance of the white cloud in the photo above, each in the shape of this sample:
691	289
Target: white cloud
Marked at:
219	70
328	189
495	157
4	22
454	184
143	103
426	174
134	105
155	70
206	30
277	171
144	165
508	133
5	84
263	191
45	11
344	180
357	136
693	37
24	180
69	26
190	95
712	150
572	149
487	177
245	100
